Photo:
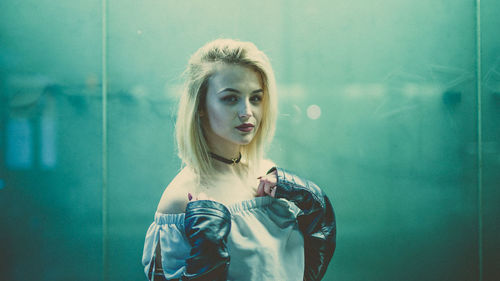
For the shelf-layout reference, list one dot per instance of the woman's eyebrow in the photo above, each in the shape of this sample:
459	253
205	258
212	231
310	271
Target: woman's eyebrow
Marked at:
236	91
228	90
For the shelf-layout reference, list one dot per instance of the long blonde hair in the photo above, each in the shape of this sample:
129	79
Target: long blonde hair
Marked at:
192	145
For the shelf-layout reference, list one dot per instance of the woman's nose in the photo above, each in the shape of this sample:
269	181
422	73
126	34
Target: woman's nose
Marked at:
245	109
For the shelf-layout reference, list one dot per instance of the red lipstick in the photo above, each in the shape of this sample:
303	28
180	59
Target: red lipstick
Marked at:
245	127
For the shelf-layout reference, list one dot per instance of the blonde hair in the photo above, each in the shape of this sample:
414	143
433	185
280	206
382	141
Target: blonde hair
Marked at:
191	143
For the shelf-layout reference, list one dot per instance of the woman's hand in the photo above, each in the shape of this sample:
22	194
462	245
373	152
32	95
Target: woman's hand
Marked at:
267	185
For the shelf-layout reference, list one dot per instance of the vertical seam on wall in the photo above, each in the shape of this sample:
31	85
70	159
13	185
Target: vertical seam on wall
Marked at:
479	141
104	93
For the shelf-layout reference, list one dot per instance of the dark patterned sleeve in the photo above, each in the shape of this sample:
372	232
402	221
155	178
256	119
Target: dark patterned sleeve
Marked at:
207	225
316	220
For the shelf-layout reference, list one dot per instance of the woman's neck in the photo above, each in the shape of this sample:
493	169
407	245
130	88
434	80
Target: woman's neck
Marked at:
225	168
225	150
232	152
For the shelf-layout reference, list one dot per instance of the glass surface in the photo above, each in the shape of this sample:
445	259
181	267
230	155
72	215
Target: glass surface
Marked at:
490	114
394	145
378	105
50	140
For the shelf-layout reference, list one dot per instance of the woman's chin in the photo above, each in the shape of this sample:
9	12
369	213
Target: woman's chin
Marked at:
245	141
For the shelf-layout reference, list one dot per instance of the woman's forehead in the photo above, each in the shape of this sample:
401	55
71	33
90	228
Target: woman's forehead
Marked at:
234	76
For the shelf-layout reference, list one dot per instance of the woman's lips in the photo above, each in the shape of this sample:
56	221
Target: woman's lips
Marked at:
245	127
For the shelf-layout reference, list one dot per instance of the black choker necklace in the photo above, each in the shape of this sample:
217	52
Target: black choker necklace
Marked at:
232	161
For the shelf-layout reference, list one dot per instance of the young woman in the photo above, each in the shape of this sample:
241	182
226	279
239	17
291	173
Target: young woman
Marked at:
230	214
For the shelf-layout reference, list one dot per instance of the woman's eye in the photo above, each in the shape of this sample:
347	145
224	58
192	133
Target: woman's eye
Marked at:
230	99
256	99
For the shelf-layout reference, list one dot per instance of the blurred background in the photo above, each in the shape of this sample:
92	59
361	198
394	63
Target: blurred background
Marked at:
392	107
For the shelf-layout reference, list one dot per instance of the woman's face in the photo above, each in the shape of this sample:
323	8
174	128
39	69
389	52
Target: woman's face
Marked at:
233	106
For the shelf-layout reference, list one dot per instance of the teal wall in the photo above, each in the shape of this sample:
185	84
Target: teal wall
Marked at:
407	144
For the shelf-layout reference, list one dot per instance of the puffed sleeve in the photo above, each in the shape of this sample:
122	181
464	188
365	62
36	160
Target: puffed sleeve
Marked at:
165	245
192	245
316	220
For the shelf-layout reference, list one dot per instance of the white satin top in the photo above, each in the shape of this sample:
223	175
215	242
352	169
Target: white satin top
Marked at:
264	244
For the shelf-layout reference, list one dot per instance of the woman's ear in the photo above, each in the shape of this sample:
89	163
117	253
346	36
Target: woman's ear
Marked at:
201	113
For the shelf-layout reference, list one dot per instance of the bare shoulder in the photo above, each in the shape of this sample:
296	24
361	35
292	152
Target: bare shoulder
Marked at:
174	198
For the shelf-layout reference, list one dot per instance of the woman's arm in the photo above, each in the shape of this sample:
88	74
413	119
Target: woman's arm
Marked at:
316	220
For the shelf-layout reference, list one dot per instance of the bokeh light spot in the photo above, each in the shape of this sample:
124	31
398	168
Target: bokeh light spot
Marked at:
313	112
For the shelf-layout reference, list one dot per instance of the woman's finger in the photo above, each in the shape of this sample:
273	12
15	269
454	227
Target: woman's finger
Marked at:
270	189
267	188
260	189
273	191
270	178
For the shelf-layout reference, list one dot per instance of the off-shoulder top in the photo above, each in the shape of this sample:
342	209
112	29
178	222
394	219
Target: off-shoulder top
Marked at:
264	243
289	237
